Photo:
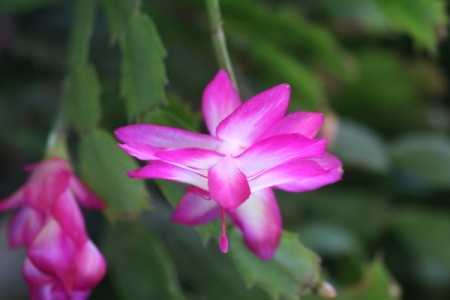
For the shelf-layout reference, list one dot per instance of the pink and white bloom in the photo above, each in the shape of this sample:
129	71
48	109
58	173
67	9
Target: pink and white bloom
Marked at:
62	263
252	147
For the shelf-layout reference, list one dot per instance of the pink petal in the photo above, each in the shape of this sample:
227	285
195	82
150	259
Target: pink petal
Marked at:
87	198
91	267
277	150
191	157
47	182
333	167
68	215
24	226
80	295
227	184
43	292
12	201
293	171
54	253
165	137
57	292
140	150
163	170
194	209
260	221
219	100
249	121
304	123
34	276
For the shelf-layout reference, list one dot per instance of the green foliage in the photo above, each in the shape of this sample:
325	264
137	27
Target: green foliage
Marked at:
260	28
286	28
139	264
175	113
375	285
425	155
82	92
23	5
119	13
414	228
383	88
361	211
143	71
81	32
420	18
287	69
358	147
378	67
103	167
294	270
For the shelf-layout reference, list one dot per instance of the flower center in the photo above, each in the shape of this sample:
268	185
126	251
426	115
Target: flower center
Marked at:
229	148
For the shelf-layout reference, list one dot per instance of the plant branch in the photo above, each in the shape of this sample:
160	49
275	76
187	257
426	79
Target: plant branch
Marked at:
218	38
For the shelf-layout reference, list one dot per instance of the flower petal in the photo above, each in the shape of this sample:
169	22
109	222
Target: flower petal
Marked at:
54	253
87	198
24	226
91	267
12	201
227	184
220	99
277	150
333	167
163	170
68	215
293	171
139	150
165	137
190	157
47	182
260	221
34	276
250	120
304	123
194	209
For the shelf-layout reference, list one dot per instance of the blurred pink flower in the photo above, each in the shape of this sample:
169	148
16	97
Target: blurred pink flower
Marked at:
253	146
61	263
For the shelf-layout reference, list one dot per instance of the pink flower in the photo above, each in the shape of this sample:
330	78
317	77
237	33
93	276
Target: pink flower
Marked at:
253	146
61	263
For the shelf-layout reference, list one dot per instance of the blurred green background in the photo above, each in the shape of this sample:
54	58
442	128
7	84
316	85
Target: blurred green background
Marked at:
378	69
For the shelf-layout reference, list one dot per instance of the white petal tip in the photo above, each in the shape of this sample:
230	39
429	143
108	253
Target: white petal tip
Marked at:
327	291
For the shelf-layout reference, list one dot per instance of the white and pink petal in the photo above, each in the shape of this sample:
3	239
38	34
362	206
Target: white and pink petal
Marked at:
165	137
228	186
278	150
195	209
163	170
333	173
140	150
250	120
293	171
259	219
190	157
220	99
304	123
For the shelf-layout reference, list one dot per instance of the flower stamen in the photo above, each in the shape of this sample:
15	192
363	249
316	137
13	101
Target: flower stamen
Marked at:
223	237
